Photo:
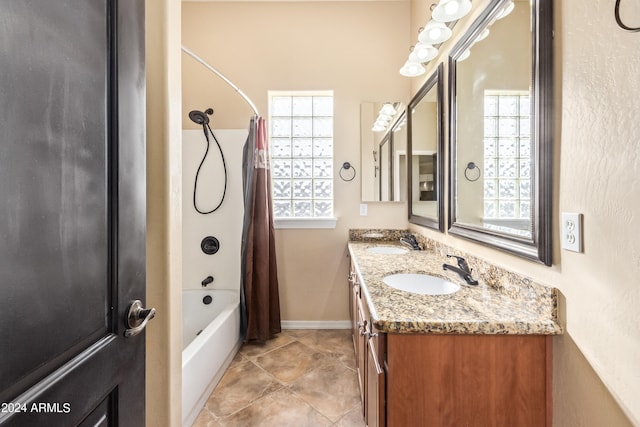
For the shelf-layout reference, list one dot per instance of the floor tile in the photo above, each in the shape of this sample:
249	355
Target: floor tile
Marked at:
335	343
290	362
353	418
300	378
243	383
331	388
206	419
254	349
279	409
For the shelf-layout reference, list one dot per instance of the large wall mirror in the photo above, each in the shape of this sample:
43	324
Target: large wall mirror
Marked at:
500	132
425	146
383	154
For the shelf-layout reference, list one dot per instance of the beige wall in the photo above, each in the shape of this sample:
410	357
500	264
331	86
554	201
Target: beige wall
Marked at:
596	369
164	244
347	47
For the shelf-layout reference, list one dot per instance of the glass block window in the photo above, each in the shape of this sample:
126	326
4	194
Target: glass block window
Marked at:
301	146
507	155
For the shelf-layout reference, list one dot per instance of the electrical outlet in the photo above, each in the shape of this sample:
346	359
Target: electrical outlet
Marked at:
363	209
571	232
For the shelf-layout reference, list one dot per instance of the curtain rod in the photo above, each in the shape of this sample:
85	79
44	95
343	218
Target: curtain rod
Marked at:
219	74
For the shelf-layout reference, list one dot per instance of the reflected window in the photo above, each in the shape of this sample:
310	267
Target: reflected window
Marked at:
507	160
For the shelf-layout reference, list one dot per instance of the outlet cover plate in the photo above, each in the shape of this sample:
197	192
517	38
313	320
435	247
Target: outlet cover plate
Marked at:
571	230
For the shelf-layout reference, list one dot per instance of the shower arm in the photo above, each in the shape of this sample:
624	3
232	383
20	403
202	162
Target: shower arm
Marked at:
219	74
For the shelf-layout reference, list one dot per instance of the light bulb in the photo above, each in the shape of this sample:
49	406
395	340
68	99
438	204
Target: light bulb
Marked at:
506	10
388	109
451	8
412	69
425	52
434	33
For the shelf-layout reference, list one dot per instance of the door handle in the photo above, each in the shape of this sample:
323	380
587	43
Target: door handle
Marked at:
137	318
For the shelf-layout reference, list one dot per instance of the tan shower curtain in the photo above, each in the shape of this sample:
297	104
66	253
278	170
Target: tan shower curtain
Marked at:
259	293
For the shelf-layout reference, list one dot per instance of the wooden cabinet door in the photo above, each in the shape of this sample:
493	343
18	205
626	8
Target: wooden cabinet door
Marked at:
361	358
375	388
468	380
354	294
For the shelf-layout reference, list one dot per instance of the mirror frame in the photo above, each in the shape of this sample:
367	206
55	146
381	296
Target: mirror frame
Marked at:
392	158
388	141
538	247
436	79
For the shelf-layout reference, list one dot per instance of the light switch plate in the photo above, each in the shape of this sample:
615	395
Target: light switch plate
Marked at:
363	209
571	230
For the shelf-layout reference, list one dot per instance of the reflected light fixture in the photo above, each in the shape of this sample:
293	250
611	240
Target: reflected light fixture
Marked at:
388	109
506	10
434	32
385	115
451	10
464	55
483	35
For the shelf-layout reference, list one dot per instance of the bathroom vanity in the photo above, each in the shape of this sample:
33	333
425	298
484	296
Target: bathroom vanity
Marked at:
478	356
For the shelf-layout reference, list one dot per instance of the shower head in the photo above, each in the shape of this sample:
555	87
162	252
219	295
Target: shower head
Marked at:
200	118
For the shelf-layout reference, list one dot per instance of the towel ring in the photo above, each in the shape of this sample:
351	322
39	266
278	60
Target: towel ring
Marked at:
347	166
616	12
471	166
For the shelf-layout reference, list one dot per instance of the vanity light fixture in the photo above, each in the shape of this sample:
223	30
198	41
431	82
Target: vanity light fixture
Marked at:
451	10
412	69
423	52
422	55
434	32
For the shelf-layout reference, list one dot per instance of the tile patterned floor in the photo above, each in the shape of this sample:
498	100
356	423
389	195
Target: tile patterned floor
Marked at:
301	378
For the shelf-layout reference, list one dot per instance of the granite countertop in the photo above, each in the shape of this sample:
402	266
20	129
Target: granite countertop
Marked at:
481	309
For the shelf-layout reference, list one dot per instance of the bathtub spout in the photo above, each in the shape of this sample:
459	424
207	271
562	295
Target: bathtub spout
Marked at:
207	280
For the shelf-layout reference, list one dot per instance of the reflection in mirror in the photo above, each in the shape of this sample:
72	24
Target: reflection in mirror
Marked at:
499	92
399	160
380	162
425	175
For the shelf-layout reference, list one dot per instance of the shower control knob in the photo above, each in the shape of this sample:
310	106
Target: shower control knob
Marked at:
210	245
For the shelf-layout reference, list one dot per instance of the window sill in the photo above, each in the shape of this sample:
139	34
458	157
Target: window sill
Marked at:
302	223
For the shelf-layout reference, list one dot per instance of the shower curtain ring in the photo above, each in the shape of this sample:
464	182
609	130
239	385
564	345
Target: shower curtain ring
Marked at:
347	166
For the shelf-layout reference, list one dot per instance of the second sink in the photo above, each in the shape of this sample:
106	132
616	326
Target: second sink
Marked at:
389	250
423	284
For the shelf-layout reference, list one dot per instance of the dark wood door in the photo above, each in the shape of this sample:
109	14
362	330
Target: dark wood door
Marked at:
72	211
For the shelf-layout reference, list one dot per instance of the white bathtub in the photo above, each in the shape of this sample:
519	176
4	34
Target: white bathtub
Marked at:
210	340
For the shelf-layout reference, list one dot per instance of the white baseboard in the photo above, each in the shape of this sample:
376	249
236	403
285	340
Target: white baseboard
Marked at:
315	324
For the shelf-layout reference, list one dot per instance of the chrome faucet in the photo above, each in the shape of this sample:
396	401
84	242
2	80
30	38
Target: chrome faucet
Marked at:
463	269
410	241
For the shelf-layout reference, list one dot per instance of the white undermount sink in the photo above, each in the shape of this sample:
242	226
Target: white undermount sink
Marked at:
423	284
390	250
